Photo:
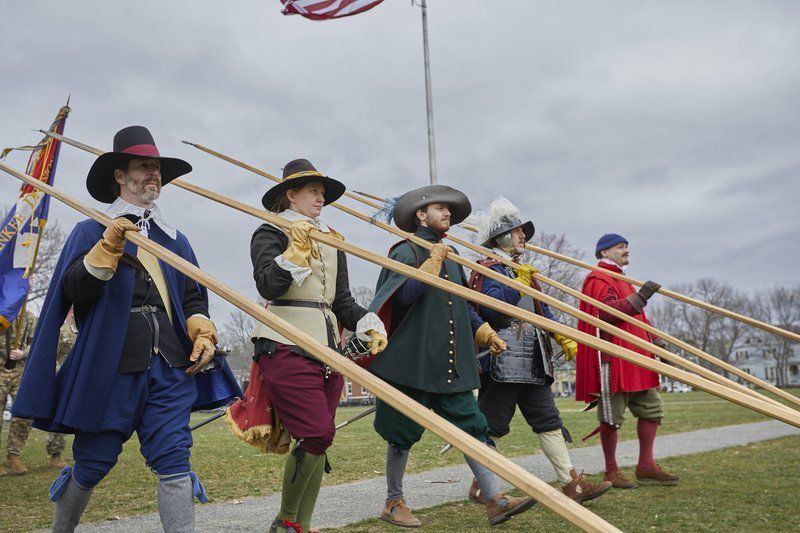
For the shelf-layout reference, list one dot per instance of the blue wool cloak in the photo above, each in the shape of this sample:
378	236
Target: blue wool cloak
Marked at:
74	399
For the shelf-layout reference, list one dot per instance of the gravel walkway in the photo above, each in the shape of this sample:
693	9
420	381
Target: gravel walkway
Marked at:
351	502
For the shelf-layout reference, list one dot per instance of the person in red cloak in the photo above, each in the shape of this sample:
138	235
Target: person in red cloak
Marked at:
611	383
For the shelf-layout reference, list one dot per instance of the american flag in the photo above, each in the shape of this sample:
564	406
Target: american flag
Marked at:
327	9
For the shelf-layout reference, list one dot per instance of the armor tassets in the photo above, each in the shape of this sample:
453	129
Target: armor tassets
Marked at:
525	360
528	357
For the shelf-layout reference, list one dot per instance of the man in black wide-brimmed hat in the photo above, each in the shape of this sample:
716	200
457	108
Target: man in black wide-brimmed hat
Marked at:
431	355
143	338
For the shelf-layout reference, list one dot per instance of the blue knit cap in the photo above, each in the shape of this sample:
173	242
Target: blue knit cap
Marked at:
607	241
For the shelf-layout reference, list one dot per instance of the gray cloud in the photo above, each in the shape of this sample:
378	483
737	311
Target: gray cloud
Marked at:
674	124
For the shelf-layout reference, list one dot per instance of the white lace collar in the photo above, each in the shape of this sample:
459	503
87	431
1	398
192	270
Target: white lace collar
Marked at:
120	207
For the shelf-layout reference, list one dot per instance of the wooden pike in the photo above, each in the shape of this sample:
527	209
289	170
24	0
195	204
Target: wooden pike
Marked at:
673	358
544	493
664	354
666	292
724	365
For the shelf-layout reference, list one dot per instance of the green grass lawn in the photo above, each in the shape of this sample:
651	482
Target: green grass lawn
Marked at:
231	469
749	488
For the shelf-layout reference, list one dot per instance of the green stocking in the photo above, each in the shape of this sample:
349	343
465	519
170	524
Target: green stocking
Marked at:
300	468
309	499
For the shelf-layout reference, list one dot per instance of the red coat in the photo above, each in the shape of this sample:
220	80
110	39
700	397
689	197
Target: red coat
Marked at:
625	376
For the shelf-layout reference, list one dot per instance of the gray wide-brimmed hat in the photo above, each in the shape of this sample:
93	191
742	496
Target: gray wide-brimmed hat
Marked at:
405	210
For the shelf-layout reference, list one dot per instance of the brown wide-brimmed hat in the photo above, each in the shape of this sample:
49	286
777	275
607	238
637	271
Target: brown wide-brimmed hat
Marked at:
298	173
133	142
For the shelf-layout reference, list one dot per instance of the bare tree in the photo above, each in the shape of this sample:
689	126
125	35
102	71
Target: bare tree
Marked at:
555	269
236	333
707	331
781	307
50	246
363	295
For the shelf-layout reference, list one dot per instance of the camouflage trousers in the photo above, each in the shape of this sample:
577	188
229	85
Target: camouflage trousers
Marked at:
20	428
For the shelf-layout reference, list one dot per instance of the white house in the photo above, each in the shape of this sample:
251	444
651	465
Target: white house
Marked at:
756	356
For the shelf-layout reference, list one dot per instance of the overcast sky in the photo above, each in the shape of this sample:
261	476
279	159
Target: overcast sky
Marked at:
675	124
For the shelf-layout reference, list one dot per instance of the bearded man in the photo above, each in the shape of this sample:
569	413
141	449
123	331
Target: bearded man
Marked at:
144	339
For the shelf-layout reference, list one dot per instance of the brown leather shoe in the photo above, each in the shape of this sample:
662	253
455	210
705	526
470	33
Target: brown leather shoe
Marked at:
581	490
57	462
475	493
502	507
15	465
618	481
397	513
656	475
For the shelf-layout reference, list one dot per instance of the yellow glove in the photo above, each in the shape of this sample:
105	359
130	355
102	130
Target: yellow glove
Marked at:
335	234
525	273
108	250
301	249
378	343
570	347
204	336
433	264
486	336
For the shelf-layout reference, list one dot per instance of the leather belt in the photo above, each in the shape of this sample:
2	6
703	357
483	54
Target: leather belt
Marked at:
300	303
152	310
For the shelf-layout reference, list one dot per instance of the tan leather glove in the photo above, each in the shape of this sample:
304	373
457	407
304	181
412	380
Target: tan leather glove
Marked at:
378	343
433	264
301	249
525	274
570	346
108	250
204	336
486	336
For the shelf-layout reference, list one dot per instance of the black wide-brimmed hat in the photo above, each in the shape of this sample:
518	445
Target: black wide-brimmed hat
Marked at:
298	173
506	224
133	142
405	210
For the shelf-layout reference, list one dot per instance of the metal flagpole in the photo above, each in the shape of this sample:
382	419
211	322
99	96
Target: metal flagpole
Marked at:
428	93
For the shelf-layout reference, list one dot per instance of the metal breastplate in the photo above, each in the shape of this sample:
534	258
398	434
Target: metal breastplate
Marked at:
525	360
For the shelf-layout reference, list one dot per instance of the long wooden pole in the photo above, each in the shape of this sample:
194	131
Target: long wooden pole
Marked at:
689	365
554	302
763	407
666	292
664	354
622	316
790	417
544	493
